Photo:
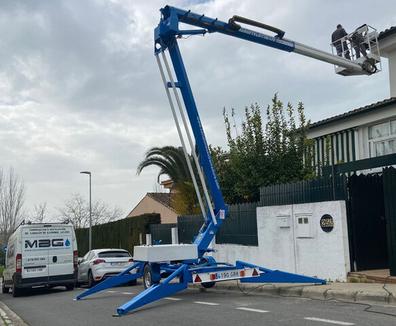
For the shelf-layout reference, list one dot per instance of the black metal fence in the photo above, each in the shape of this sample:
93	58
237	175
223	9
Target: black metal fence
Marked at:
390	214
240	226
161	233
188	227
306	191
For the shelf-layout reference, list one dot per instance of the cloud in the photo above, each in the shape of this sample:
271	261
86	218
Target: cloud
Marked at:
79	86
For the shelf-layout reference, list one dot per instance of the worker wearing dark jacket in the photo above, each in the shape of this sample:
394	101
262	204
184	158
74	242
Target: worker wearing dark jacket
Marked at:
358	41
335	39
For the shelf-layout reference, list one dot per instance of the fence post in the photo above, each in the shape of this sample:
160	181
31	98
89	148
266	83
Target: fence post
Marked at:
148	239
175	236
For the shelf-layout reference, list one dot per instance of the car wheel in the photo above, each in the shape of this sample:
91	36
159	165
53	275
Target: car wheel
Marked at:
69	287
91	281
4	288
131	283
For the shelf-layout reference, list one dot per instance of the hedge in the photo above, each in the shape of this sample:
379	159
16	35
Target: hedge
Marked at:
123	233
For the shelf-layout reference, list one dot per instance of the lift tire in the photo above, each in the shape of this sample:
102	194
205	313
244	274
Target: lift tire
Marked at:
148	276
208	285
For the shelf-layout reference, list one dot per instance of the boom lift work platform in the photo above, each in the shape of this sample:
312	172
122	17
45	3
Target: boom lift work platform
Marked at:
168	269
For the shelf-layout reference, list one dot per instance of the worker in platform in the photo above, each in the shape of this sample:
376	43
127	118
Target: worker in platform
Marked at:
341	47
358	41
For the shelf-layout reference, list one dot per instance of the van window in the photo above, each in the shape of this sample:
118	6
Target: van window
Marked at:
113	254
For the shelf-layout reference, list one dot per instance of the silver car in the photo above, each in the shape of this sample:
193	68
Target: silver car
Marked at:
99	264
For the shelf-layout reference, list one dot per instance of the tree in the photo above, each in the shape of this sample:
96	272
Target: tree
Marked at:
12	197
170	160
172	163
39	212
262	154
76	210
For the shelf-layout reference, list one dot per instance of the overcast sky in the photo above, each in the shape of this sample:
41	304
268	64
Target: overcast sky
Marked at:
80	89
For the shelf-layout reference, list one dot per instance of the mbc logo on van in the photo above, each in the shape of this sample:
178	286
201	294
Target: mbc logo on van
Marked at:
47	243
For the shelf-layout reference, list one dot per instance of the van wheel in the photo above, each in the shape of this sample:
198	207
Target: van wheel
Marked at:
16	292
91	281
4	288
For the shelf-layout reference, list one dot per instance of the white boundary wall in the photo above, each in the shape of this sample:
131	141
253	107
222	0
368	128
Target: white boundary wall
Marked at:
291	239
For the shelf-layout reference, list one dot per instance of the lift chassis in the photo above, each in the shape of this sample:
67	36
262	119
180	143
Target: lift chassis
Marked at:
168	269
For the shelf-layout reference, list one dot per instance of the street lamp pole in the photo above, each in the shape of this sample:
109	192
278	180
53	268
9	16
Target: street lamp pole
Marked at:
90	210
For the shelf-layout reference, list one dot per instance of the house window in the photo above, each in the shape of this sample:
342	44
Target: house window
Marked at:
382	138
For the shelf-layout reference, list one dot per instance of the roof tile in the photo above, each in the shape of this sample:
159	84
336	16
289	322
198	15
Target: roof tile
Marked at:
162	197
357	111
389	31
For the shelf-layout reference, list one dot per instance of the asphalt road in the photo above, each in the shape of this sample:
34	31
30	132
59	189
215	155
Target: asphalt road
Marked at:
191	307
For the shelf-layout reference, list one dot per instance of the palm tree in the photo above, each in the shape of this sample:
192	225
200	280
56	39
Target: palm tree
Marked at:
172	162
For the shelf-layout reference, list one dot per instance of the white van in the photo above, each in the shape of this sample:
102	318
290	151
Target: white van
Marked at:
40	254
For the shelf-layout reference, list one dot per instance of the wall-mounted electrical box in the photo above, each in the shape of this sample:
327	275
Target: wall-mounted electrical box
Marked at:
283	221
304	227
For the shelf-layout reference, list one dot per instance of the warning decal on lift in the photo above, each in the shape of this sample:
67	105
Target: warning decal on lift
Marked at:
233	274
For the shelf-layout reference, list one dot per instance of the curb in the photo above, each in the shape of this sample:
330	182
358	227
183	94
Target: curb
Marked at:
331	291
10	318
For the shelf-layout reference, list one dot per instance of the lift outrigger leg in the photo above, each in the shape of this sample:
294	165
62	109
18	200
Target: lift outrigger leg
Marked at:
122	278
158	291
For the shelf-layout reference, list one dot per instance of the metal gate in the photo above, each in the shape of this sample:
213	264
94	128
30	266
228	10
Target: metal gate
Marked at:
389	176
161	233
367	224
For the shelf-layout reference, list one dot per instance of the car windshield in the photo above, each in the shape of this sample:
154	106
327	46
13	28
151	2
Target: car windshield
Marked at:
115	254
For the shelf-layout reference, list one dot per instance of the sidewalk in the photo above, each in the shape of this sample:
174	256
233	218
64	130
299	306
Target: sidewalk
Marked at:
352	292
8	317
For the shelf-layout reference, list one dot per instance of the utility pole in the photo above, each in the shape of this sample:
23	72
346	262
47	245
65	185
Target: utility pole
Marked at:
90	210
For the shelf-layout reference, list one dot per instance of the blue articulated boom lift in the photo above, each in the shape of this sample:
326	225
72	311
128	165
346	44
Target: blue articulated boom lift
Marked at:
168	269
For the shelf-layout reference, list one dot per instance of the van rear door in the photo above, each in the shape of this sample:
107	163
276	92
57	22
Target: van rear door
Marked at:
35	252
60	255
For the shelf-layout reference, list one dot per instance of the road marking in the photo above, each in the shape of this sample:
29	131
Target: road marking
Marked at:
112	291
127	292
329	321
172	299
206	303
251	309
